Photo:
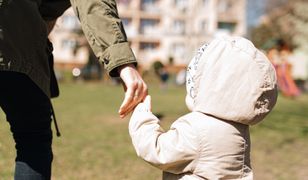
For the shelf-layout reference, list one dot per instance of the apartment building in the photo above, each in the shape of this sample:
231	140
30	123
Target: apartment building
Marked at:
70	45
160	29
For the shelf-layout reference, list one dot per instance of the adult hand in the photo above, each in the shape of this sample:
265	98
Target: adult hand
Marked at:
134	86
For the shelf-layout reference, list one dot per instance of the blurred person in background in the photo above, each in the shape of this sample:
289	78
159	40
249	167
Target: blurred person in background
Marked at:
280	55
287	83
27	78
299	62
162	73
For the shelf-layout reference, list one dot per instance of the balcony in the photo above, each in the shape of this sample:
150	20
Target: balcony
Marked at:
181	5
178	27
226	27
150	6
228	10
149	26
124	5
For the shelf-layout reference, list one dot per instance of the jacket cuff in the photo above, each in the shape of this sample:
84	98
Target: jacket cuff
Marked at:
117	55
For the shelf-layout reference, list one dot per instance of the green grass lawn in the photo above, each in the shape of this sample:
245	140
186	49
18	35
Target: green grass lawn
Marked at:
95	143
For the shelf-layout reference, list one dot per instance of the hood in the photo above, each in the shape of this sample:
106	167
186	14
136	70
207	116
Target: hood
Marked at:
232	80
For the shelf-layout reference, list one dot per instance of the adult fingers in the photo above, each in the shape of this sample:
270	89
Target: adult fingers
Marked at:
139	94
129	97
136	89
141	91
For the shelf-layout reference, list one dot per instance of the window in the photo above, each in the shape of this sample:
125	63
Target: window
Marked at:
179	26
224	5
145	46
149	5
126	21
68	44
203	26
128	26
205	2
181	4
148	1
124	2
178	49
147	26
70	22
227	26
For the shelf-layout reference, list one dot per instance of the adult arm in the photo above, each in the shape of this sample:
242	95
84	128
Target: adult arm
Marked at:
102	27
105	33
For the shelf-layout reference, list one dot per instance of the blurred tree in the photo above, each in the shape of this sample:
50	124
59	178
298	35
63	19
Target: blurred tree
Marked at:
270	5
262	36
286	20
299	18
157	66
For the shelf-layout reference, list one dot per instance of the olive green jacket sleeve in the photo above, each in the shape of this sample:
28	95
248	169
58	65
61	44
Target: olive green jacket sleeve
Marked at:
105	33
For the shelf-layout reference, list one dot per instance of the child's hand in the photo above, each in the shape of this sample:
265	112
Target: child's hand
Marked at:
145	106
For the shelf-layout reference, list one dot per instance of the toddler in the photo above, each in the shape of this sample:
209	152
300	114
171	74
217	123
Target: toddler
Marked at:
230	85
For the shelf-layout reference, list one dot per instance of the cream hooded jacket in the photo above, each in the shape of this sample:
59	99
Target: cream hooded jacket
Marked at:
230	85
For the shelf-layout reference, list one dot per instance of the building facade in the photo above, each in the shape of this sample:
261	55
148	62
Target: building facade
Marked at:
163	30
70	45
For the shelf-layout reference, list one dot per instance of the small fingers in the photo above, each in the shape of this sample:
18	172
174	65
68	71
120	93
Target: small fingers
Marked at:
147	102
